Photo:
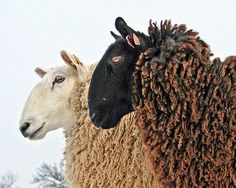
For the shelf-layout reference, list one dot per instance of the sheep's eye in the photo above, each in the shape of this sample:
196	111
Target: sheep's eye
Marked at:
117	59
58	79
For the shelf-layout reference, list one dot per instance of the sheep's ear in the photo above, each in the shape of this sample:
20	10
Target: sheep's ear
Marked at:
115	35
81	68
82	71
134	39
41	71
69	59
122	27
74	62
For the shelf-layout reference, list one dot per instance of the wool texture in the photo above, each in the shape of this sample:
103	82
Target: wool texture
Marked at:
104	158
186	105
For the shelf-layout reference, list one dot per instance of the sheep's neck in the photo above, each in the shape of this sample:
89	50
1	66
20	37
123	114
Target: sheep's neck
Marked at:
78	104
169	92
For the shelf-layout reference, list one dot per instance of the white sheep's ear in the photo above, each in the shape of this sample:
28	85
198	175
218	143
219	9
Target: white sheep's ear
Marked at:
74	62
41	71
82	71
70	59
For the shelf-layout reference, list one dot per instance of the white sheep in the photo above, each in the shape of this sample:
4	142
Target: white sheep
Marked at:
94	157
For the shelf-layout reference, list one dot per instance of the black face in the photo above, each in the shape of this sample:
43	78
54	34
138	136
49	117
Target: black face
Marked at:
110	92
109	96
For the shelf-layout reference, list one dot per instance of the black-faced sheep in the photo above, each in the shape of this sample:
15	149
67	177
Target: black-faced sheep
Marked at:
94	158
185	103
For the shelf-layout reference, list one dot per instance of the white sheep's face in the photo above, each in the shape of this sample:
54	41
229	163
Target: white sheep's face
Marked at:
47	107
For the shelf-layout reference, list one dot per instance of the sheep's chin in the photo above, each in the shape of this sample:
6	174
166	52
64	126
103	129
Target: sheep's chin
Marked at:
39	134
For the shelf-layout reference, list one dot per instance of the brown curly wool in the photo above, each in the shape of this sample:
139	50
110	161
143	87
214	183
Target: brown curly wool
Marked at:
104	158
187	109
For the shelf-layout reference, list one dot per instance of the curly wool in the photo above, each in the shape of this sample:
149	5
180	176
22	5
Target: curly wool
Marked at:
187	109
104	158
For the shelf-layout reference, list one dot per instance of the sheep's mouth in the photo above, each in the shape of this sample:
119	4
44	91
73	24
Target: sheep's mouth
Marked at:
36	132
110	119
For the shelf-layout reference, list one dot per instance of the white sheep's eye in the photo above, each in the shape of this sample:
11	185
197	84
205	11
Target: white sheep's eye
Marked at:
117	59
58	79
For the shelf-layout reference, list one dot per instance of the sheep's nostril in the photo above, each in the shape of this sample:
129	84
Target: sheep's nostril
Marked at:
93	117
24	127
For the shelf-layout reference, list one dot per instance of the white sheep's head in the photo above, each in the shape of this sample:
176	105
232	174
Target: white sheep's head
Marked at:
47	107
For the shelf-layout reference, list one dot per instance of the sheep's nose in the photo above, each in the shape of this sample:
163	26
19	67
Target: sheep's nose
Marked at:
24	127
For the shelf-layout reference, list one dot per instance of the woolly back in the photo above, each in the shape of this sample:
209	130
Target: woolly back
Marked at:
104	158
186	106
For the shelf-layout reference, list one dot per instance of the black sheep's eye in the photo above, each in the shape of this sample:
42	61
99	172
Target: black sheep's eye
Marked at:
117	59
58	80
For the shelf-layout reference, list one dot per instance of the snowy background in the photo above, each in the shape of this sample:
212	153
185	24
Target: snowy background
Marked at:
32	33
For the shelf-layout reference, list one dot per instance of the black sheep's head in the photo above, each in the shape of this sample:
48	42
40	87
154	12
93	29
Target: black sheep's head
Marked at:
110	92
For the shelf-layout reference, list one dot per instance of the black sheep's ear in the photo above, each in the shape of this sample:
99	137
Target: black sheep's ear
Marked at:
133	38
122	27
115	35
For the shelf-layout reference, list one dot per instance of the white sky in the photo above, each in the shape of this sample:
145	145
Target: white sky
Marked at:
32	33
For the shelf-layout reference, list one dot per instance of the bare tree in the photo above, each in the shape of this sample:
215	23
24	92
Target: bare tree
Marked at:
50	176
7	180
